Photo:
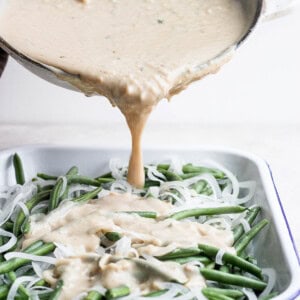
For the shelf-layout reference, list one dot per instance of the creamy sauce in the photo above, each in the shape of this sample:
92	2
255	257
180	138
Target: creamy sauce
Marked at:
134	52
81	229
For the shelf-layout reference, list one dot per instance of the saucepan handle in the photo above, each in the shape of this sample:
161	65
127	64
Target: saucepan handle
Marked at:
277	8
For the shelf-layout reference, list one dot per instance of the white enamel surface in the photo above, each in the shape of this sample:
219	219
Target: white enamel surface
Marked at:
274	246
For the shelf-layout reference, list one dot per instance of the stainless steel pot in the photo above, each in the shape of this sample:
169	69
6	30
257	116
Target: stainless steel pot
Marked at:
257	10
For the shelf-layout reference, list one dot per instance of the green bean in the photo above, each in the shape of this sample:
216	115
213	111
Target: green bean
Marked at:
163	167
29	204
19	171
14	263
226	292
199	186
225	269
8	226
117	292
179	253
197	212
270	296
57	291
156	293
87	196
78	179
211	265
55	194
22	290
231	279
233	260
4	289
250	218
72	171
113	236
144	214
46	176
243	242
93	295
189	168
150	183
170	176
106	175
215	296
184	260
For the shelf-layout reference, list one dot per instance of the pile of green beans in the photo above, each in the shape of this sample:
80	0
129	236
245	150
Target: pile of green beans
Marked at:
226	281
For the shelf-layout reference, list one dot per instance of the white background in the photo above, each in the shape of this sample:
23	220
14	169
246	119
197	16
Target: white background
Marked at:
261	84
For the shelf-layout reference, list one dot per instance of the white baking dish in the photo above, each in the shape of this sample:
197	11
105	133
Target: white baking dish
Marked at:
275	245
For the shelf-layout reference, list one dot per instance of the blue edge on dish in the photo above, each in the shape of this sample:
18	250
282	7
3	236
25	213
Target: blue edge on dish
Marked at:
288	227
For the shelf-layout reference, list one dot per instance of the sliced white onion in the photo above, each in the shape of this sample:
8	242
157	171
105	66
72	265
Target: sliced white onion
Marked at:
154	175
250	294
245	225
46	259
219	257
231	177
123	246
12	241
121	186
14	288
116	170
37	269
271	274
62	251
251	186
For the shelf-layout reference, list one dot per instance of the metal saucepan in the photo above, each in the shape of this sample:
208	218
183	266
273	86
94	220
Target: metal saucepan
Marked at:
257	10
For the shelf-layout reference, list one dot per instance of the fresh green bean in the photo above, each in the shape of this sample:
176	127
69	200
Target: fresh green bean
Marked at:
106	175
215	296
225	269
29	204
14	263
250	218
8	226
243	242
150	183
189	168
226	292
231	279
79	179
46	176
87	196
179	253
184	260
270	296
199	186
22	290
211	265
72	172
233	260
93	295
55	194
156	293
19	171
163	167
144	214
117	292
113	236
207	212
170	176
4	289
57	291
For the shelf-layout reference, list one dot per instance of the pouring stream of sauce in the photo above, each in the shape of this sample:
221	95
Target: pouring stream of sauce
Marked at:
134	52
